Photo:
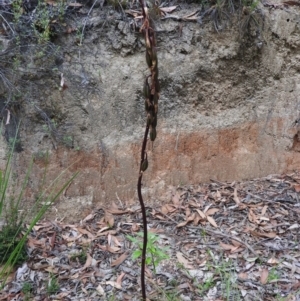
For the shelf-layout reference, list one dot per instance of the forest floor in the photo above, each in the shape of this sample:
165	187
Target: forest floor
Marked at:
224	241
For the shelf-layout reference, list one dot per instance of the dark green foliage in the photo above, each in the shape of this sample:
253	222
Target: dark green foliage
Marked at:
52	286
10	237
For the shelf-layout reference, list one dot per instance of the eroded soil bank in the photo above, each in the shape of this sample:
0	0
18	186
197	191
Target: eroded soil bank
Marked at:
229	107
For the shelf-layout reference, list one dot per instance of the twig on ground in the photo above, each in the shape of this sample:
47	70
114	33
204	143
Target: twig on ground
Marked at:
217	233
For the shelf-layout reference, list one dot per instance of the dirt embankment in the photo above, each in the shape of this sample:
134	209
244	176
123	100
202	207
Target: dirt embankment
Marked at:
228	106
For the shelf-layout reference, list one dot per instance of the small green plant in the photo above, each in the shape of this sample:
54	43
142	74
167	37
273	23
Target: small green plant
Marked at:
170	295
41	155
9	240
27	287
26	290
206	285
68	141
42	23
17	10
52	285
251	18
79	35
273	275
80	256
221	270
155	254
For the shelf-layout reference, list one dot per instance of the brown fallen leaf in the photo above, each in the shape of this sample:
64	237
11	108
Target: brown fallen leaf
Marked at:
109	219
252	217
183	286
273	260
236	250
212	211
119	279
297	187
236	243
86	232
88	262
39	226
165	209
100	290
192	203
112	249
227	247
89	217
235	196
114	284
264	276
132	12
176	199
196	219
33	243
264	234
168	9
183	261
62	295
182	224
264	210
206	208
212	221
119	260
191	17
52	240
201	213
51	269
116	241
113	209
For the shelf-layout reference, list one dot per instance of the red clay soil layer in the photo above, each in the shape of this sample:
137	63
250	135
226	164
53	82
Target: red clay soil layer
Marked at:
242	152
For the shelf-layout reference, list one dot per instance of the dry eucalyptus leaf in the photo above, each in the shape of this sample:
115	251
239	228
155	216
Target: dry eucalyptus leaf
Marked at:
109	219
176	199
201	213
88	261
183	261
182	224
226	247
120	277
212	211
273	261
119	260
168	9
264	234
89	217
100	290
86	232
212	221
264	274
235	197
114	284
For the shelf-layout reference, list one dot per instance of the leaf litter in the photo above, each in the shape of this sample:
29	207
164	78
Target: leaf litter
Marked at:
226	241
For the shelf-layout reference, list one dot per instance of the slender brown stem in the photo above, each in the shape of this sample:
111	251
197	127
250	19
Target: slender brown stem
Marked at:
145	240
